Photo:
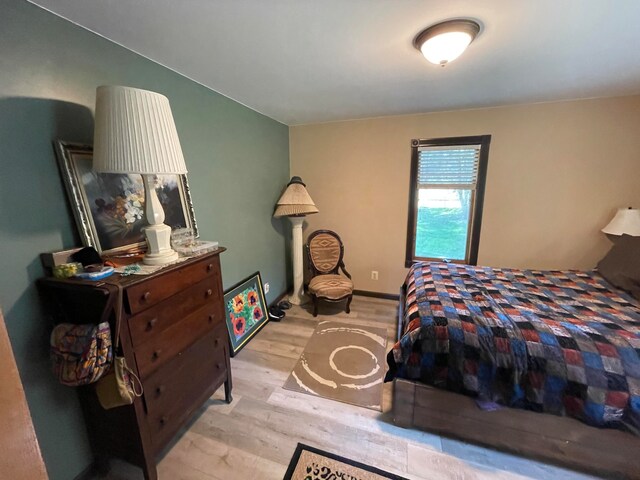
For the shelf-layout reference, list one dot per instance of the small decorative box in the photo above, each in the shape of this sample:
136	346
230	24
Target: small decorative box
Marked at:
186	244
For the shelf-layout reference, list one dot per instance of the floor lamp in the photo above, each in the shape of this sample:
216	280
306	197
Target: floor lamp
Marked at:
296	203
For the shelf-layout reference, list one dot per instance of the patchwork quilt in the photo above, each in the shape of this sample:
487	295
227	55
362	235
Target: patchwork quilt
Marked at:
562	342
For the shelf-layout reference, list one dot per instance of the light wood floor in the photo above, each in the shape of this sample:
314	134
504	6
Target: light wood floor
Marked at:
254	437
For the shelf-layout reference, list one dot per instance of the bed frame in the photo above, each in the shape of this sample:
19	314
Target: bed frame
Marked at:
559	440
540	436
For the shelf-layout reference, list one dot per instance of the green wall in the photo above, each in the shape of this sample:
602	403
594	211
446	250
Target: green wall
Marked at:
238	163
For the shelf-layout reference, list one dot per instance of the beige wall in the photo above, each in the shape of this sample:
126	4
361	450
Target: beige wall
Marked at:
557	172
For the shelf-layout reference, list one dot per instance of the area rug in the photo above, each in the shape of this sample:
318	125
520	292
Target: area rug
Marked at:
344	363
310	463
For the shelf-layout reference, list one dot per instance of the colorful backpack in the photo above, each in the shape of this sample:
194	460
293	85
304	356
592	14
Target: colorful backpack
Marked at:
81	354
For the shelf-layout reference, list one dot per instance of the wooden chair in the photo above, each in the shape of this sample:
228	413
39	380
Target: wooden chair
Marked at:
325	252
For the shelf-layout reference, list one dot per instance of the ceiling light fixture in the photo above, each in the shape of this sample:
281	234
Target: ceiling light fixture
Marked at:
444	42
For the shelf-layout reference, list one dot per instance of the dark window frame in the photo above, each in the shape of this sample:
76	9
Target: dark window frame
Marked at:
476	219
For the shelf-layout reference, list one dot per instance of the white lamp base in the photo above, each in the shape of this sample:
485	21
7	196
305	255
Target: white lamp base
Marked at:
160	259
298	297
159	251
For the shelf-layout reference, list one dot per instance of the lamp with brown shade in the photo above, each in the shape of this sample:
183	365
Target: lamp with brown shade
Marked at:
296	203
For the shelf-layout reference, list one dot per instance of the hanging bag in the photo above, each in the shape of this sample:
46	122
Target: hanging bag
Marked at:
81	354
120	386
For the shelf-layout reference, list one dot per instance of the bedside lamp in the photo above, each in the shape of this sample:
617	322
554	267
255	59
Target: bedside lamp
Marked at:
295	203
135	133
625	221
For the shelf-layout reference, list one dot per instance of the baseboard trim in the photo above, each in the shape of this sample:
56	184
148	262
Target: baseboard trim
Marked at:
385	296
279	298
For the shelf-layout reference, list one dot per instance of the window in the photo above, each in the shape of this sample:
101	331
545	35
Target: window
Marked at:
445	199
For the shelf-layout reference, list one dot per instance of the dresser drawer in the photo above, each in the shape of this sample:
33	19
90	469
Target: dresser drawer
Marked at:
151	292
174	392
172	340
147	325
204	362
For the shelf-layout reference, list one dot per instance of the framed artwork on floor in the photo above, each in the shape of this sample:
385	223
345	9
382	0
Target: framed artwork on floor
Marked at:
245	311
109	207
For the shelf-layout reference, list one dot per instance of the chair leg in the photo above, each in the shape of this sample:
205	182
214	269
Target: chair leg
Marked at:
315	305
348	309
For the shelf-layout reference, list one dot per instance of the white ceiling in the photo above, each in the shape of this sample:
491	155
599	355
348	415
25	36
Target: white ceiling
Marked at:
306	61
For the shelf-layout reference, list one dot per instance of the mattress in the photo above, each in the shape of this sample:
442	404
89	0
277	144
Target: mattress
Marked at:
561	342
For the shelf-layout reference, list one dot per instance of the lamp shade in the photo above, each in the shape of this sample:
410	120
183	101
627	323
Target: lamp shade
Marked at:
625	221
295	200
135	133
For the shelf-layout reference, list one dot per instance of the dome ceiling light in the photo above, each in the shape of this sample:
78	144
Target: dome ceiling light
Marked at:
445	41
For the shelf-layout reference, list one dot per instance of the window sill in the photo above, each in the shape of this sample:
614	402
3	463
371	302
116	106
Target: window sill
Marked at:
409	263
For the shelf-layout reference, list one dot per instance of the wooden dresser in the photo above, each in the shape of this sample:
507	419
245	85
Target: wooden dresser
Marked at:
173	335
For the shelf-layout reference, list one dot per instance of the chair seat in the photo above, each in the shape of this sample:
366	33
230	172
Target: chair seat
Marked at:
331	286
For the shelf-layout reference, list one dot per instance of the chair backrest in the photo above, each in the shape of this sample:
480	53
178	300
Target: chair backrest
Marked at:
325	251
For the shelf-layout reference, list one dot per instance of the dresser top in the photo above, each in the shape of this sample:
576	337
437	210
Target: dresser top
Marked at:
130	280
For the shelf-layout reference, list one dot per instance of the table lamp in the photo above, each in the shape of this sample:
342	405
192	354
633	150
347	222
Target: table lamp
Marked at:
295	203
135	133
626	221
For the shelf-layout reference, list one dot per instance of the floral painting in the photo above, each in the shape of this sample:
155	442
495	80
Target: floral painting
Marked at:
245	311
109	208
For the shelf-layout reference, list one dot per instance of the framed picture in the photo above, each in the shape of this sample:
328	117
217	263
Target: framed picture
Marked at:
109	207
245	310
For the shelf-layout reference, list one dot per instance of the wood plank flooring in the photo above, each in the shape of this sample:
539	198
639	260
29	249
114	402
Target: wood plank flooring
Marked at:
254	437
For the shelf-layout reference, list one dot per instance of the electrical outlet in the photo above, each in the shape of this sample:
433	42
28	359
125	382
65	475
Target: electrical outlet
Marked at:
266	287
374	275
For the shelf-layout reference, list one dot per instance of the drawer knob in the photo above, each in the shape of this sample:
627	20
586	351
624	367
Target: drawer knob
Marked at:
219	365
146	296
151	323
160	390
209	267
211	318
216	342
163	420
209	292
156	354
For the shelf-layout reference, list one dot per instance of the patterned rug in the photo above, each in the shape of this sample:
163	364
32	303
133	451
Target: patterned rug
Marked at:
342	363
310	463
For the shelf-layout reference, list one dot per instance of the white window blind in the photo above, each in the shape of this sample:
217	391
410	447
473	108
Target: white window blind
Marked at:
449	165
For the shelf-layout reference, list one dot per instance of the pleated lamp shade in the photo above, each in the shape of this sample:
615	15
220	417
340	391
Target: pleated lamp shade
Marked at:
295	200
135	133
625	221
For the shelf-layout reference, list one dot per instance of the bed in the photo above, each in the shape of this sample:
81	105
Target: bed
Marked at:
558	342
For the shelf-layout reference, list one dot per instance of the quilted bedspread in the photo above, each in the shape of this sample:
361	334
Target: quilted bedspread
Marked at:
563	342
